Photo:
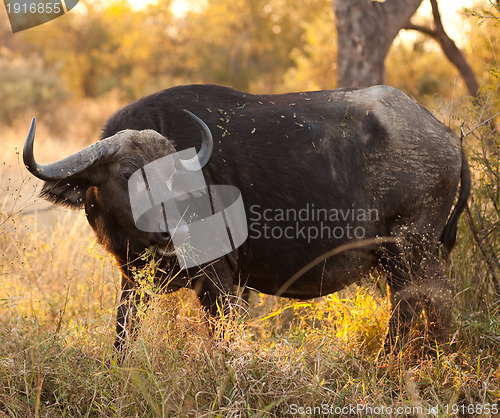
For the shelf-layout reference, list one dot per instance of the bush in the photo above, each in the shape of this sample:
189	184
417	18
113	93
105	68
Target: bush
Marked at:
28	86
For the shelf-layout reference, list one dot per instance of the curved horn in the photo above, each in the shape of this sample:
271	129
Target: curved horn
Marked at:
207	147
73	164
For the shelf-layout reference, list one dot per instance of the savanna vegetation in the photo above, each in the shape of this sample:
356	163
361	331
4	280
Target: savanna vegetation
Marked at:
278	357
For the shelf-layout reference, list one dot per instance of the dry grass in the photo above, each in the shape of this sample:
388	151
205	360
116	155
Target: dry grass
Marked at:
58	293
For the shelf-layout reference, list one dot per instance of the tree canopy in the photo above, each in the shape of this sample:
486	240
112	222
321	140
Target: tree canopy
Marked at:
258	46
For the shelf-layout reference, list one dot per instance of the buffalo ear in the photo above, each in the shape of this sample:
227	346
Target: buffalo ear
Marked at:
67	192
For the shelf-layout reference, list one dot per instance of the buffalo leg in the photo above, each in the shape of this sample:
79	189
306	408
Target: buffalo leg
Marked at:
419	290
127	312
214	288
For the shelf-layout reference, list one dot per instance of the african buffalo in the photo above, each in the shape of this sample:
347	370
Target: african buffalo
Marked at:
316	171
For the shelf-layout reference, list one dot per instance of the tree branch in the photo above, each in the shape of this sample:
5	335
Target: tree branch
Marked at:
449	48
423	29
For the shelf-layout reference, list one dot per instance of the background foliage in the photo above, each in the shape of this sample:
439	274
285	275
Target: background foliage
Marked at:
259	46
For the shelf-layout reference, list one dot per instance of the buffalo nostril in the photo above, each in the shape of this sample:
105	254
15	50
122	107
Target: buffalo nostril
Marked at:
180	232
161	237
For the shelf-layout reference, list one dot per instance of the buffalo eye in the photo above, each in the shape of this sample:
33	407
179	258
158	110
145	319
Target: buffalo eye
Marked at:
127	175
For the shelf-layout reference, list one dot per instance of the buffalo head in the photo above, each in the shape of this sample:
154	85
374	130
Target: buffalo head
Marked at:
103	170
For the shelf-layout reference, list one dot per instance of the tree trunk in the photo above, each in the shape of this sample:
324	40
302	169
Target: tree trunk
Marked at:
365	32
